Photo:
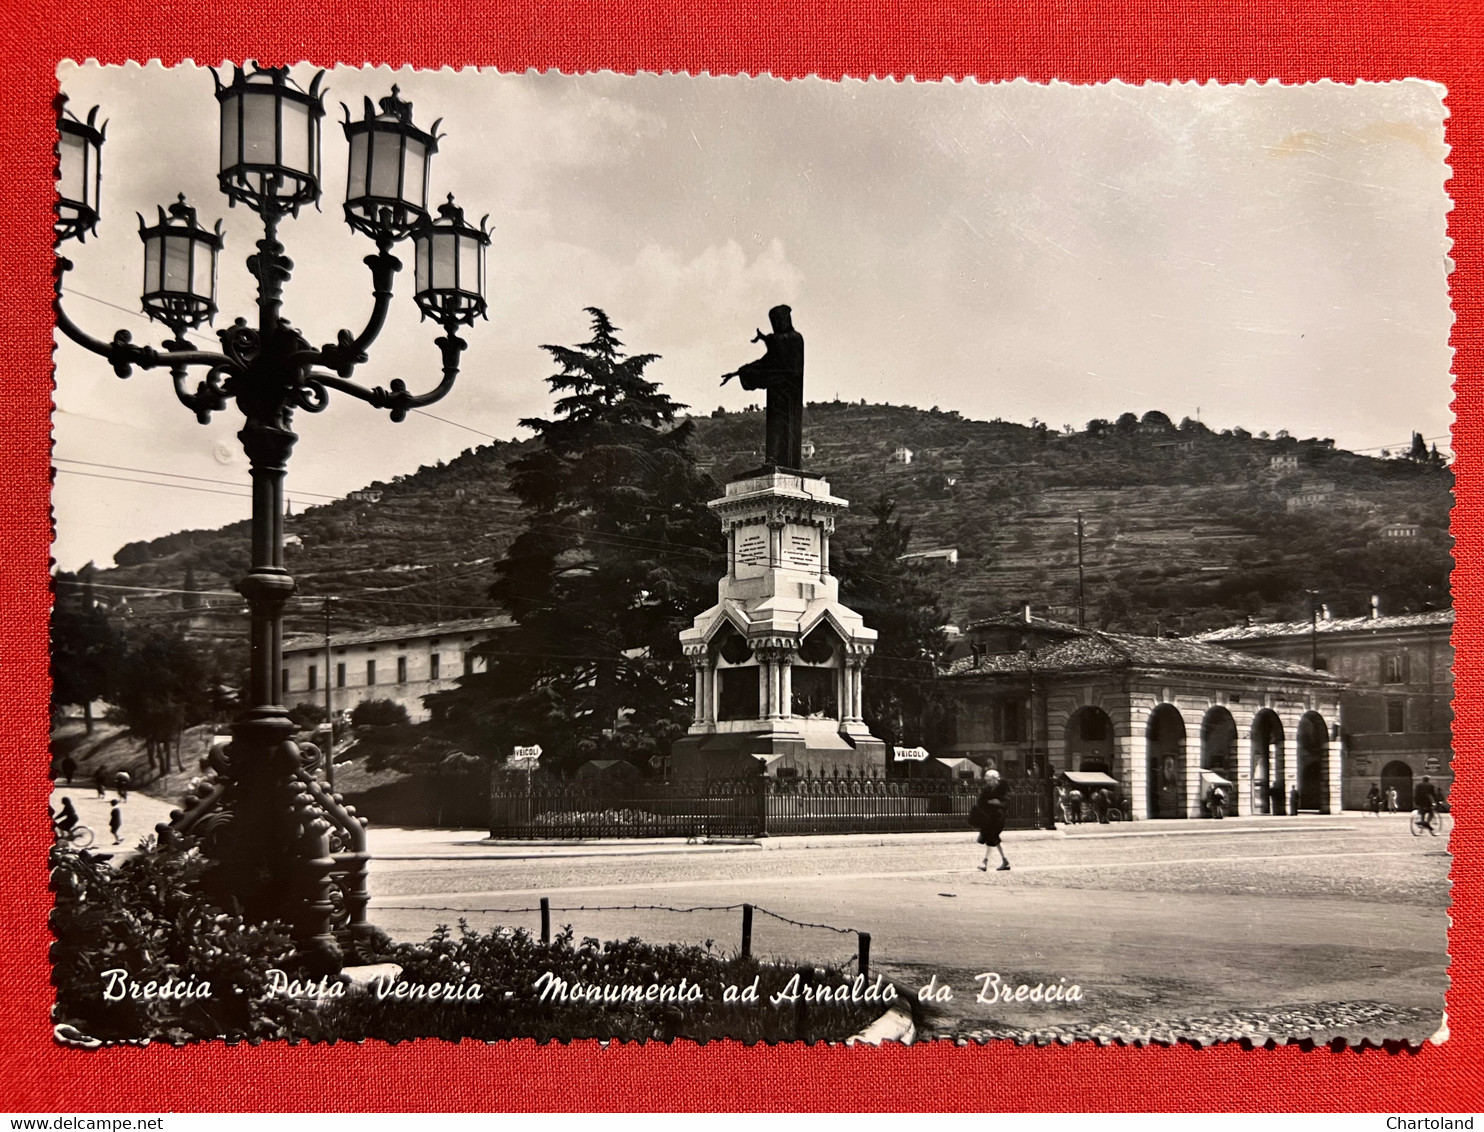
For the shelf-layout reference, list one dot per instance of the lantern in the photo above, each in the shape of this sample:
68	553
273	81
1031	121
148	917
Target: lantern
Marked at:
180	268
79	148
450	266
270	155
386	191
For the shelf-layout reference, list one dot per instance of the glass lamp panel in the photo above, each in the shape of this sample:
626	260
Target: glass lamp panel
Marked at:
415	175
445	260
297	152
152	264
469	265
177	265
356	186
421	283
204	276
260	127
229	131
386	163
72	161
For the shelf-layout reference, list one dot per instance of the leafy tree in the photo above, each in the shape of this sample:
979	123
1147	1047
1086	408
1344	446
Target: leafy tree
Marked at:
162	688
617	552
1098	427
1418	453
900	601
1127	424
84	648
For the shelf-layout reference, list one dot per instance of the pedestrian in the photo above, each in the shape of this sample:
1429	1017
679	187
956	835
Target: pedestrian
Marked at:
1293	801
1391	799
116	822
991	804
100	780
1373	800
121	784
1100	804
1074	805
1218	802
1061	805
69	768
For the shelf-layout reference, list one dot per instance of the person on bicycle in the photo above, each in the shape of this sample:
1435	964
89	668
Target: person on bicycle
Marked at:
1425	798
66	819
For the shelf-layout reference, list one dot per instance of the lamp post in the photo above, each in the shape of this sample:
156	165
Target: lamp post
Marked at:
283	845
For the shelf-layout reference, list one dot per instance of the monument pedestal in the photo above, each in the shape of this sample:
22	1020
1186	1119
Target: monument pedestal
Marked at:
778	660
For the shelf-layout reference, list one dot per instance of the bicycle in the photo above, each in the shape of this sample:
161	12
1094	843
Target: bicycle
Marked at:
79	836
1437	826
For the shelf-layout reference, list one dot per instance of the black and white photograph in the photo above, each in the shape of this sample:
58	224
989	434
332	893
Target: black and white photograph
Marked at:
669	558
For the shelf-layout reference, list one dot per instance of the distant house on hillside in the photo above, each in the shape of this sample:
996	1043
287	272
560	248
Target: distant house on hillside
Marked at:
1401	531
366	495
902	454
808	449
1317	494
1284	465
402	663
947	555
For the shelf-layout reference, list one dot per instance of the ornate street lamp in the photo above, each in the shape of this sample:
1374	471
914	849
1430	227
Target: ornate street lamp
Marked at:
283	845
79	146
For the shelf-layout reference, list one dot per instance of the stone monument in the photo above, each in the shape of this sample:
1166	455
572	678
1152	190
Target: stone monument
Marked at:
779	662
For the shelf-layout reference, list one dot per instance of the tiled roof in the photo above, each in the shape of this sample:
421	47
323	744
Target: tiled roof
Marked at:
397	633
1091	651
1266	631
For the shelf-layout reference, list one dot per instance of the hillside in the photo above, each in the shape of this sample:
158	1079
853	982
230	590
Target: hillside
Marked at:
1184	528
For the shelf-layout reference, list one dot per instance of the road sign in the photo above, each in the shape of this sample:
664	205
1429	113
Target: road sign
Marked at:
912	754
524	758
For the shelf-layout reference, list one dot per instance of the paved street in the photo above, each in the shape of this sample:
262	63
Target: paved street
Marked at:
1316	926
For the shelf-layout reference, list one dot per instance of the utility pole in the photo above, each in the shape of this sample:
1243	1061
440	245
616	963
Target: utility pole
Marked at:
329	707
1081	580
1313	628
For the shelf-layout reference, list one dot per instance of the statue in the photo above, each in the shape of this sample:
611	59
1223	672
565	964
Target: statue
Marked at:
781	372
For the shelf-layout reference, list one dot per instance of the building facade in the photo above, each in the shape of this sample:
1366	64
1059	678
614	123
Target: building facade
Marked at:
401	663
1166	717
1396	713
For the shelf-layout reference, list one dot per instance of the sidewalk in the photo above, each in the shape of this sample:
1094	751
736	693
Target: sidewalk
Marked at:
391	843
141	814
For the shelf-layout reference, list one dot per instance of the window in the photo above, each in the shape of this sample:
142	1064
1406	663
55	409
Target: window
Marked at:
340	675
401	670
1396	716
433	673
1394	669
1011	720
313	677
370	672
1321	664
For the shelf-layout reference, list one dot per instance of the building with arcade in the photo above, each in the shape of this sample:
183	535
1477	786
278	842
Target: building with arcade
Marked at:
1166	717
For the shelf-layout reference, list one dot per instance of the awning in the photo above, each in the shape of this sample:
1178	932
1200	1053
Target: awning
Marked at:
1094	780
1211	778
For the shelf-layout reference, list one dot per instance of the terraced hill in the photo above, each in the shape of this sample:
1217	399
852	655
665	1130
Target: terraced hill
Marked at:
1183	528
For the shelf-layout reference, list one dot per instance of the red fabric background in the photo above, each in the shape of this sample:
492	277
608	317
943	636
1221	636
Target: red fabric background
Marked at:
1344	40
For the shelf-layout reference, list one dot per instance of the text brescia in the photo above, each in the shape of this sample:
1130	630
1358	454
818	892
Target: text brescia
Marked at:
117	986
991	989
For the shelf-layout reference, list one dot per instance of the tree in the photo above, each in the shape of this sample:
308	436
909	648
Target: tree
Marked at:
617	552
1127	424
899	600
84	648
1098	427
1418	453
162	688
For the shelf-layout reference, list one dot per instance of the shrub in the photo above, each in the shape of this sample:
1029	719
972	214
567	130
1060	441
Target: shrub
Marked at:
379	713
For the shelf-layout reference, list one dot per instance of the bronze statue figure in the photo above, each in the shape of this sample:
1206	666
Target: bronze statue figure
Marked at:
781	372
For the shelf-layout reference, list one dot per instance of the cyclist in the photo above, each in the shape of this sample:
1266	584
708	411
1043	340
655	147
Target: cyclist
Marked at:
1425	798
66	819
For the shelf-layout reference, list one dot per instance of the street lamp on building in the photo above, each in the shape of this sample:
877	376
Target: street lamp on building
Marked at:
284	846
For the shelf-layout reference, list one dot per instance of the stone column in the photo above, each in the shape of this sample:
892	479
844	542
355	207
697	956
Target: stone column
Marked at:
1194	746
785	689
698	709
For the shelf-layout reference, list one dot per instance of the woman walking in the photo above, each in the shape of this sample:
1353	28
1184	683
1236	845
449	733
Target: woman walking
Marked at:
991	804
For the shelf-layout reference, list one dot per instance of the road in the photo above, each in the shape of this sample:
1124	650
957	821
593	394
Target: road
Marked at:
1298	927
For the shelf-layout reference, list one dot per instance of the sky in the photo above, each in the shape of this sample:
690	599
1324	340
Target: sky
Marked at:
1264	256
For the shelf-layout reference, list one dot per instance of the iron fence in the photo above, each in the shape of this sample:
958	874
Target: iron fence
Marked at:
748	807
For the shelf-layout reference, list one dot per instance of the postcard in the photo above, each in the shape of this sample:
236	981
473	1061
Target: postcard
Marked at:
668	558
